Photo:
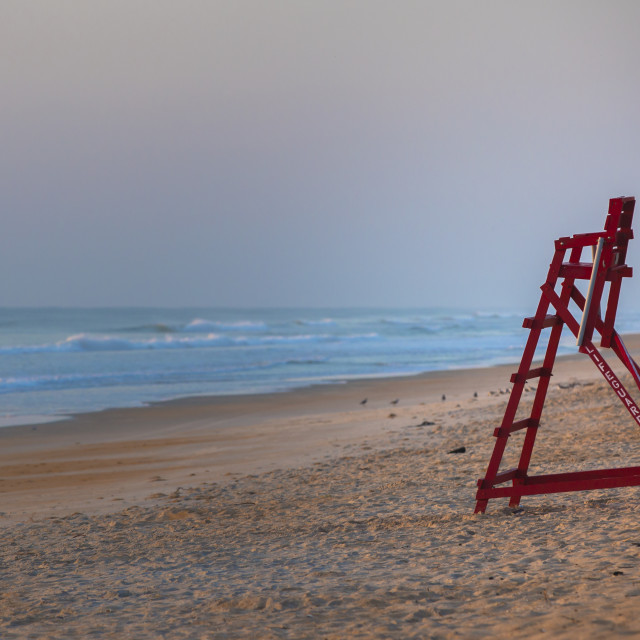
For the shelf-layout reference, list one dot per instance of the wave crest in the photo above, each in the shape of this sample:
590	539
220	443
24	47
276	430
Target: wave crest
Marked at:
85	342
201	325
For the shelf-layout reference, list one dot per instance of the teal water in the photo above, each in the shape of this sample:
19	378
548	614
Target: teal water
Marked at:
54	362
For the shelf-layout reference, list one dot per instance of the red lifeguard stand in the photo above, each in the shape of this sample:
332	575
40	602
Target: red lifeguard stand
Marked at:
609	251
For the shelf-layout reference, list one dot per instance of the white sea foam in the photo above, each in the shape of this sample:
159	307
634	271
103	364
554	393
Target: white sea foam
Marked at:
201	325
197	325
503	315
86	342
26	383
302	338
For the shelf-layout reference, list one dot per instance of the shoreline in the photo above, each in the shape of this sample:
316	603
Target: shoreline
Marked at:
29	421
101	461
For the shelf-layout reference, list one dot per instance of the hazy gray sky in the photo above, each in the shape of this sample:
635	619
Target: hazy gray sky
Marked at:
309	152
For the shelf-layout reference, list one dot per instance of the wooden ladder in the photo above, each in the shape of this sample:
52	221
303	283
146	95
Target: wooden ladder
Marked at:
609	249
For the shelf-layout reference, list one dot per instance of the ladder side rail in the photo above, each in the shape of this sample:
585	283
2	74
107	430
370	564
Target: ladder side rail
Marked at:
514	398
538	404
543	386
530	348
626	217
612	226
624	220
612	221
607	331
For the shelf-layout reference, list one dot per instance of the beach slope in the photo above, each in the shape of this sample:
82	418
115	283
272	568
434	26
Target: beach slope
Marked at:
309	514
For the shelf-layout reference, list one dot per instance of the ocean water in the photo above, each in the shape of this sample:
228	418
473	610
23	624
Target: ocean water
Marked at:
55	362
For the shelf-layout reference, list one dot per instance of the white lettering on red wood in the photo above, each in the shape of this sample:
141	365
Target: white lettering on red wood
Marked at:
616	385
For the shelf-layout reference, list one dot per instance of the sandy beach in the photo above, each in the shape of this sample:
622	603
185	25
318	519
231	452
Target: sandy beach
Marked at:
310	514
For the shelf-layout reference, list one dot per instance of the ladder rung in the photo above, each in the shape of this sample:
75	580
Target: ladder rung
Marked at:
579	240
547	321
621	271
579	270
505	476
540	372
582	271
516	426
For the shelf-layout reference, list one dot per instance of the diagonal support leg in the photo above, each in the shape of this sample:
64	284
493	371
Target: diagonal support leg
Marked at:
612	379
621	351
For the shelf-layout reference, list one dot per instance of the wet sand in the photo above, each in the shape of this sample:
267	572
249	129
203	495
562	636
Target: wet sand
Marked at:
308	514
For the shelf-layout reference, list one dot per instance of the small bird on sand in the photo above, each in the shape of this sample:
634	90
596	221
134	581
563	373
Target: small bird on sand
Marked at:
444	397
363	401
475	394
395	401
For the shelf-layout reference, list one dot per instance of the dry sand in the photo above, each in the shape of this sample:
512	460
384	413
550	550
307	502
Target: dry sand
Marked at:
309	515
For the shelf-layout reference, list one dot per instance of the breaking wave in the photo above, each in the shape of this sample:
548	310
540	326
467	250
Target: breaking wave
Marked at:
198	325
83	342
